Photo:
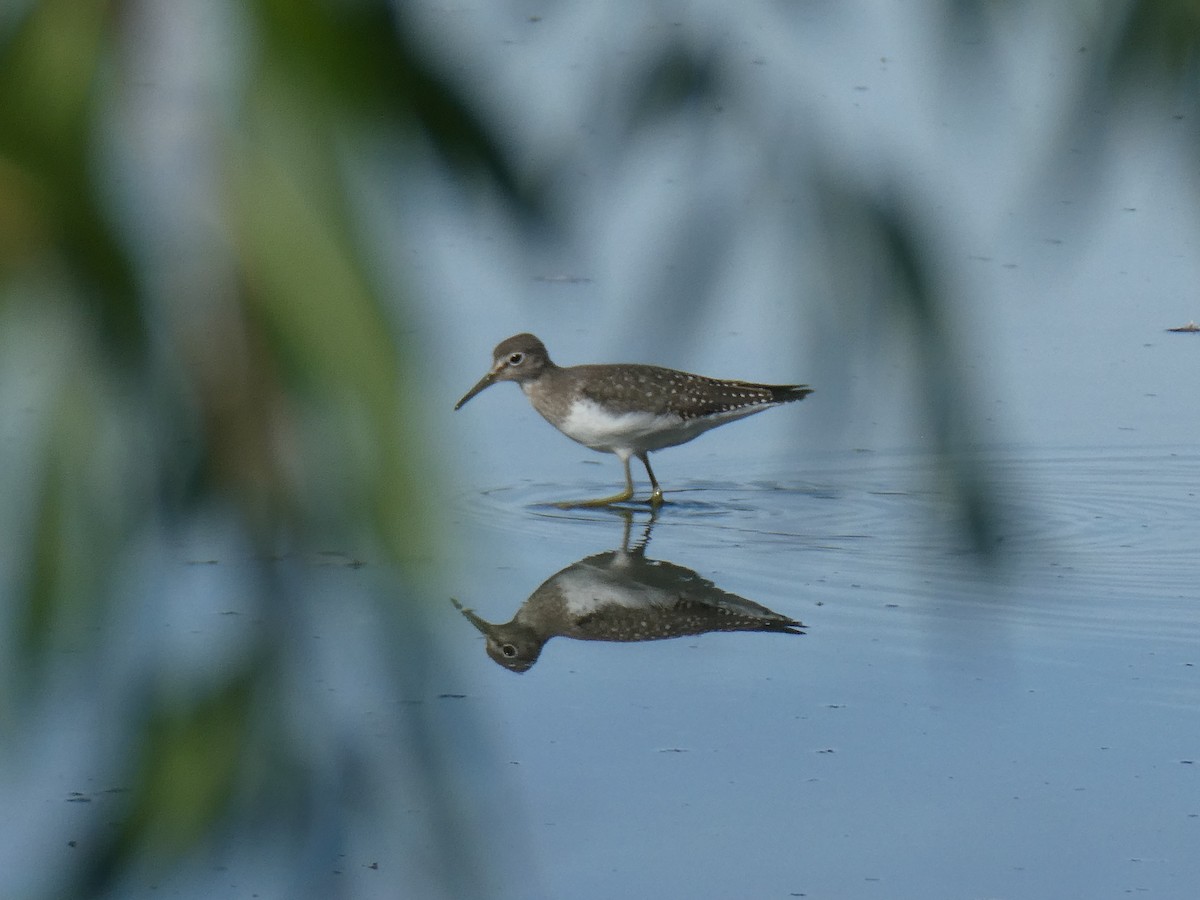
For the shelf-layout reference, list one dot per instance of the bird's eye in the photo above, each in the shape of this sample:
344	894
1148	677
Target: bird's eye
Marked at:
508	650
516	359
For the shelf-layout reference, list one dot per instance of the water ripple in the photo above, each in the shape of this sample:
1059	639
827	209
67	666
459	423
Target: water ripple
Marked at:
1086	539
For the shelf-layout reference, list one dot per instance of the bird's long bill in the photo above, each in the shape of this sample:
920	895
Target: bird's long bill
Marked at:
485	381
469	615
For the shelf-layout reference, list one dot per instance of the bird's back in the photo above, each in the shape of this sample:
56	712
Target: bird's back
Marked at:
668	391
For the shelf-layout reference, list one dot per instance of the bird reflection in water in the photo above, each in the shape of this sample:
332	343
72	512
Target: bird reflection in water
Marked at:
621	596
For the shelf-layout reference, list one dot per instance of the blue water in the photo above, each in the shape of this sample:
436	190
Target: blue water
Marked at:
943	730
1020	724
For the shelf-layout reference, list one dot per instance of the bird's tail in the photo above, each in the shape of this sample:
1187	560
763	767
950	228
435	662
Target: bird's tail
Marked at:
787	393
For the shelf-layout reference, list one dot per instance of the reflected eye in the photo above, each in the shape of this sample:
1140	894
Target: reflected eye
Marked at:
516	359
508	650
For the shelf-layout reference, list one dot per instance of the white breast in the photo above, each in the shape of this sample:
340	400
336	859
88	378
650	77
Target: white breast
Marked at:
587	588
635	432
594	426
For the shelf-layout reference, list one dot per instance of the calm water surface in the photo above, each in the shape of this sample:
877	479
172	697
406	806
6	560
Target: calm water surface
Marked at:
1023	726
946	728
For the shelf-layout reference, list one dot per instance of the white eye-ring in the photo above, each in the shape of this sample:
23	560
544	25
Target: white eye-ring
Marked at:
516	359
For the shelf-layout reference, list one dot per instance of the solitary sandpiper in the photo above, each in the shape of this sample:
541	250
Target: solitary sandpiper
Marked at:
626	409
622	596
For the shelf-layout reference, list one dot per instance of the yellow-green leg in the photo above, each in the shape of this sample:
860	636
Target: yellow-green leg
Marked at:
606	501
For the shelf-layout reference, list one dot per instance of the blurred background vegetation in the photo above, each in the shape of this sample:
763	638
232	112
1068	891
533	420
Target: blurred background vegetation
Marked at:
198	349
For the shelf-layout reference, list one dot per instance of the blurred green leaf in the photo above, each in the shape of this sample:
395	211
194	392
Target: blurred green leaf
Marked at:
677	79
191	763
50	73
77	518
1162	35
358	59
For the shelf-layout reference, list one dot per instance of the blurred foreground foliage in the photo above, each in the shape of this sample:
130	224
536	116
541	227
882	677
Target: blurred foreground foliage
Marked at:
192	332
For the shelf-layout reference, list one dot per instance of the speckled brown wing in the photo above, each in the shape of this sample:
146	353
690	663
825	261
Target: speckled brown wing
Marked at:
683	618
652	388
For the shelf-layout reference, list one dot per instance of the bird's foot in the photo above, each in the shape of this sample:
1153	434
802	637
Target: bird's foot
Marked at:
592	504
